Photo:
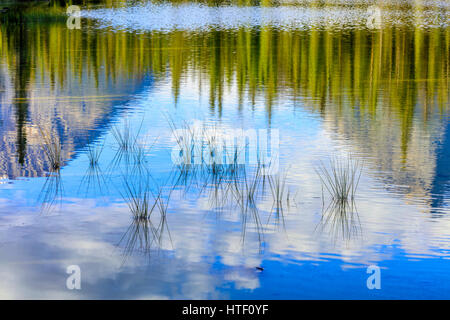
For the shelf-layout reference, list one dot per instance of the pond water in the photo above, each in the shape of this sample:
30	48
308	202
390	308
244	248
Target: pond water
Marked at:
345	81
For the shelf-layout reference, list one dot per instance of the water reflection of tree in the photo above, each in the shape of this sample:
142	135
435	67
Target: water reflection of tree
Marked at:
19	44
48	81
350	78
334	70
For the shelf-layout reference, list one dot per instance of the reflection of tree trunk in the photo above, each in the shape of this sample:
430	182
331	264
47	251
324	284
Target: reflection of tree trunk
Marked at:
21	81
442	174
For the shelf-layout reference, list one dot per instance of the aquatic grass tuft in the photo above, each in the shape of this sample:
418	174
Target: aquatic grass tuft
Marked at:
342	219
187	138
281	196
144	203
139	156
142	199
214	163
51	190
138	197
341	179
162	206
139	236
245	190
94	152
126	144
94	175
124	137
52	187
52	149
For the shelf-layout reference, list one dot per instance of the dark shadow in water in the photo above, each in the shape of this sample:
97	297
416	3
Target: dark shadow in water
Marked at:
22	80
440	185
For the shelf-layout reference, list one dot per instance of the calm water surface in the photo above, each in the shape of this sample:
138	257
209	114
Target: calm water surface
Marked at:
331	85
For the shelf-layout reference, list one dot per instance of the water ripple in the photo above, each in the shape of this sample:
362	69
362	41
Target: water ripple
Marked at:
197	17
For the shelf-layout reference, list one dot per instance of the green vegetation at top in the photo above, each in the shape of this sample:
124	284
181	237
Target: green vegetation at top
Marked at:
31	11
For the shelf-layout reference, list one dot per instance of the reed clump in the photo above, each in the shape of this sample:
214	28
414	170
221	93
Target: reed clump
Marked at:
127	145
340	178
139	199
125	138
52	188
149	206
52	149
94	174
